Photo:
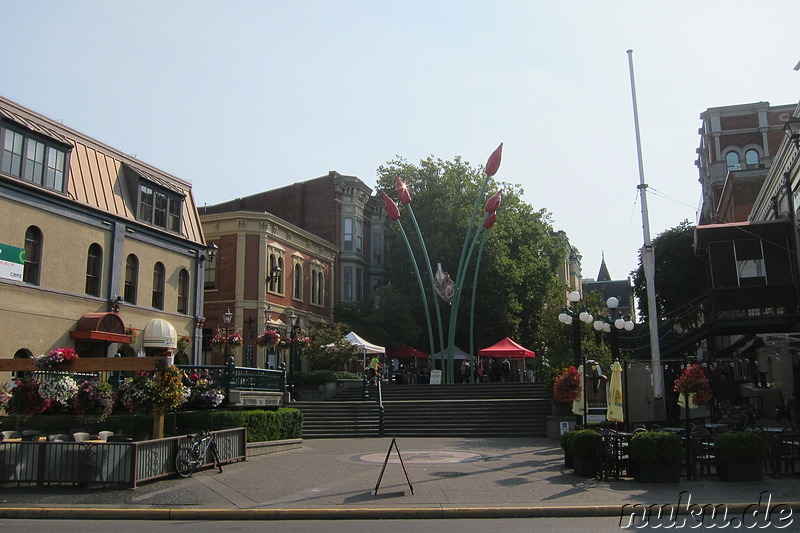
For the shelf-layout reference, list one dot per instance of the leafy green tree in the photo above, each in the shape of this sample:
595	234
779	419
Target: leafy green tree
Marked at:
519	259
680	278
329	350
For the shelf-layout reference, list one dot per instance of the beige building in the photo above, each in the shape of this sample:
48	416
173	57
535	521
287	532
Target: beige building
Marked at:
113	247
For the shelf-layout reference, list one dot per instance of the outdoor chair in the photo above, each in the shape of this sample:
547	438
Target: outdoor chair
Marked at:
103	435
58	437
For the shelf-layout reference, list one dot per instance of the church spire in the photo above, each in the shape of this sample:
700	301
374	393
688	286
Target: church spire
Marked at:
603	275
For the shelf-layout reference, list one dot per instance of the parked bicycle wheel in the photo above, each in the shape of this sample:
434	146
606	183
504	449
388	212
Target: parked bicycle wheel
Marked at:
185	462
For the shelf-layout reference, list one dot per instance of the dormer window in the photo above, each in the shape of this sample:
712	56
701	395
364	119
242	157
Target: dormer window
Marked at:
34	159
160	208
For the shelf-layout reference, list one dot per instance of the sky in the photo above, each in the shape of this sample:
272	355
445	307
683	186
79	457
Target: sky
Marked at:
240	96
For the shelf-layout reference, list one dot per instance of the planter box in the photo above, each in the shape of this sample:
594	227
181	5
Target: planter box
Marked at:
569	461
585	467
647	473
740	472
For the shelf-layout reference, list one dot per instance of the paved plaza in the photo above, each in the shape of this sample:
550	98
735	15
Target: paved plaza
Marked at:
486	477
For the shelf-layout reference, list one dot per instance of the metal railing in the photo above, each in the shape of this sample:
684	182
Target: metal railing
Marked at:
240	378
122	463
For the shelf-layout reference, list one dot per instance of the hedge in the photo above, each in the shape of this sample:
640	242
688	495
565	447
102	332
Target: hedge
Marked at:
262	425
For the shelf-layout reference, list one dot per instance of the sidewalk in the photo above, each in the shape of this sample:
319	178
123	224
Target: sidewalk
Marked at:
336	478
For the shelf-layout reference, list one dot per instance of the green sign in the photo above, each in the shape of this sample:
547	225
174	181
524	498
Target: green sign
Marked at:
12	261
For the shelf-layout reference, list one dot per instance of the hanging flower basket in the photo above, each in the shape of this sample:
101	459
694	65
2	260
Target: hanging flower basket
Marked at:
133	334
59	358
235	339
268	338
693	382
567	386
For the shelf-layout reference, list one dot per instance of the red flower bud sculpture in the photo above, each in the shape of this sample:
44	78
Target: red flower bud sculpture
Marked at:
494	161
490	220
494	202
391	208
402	191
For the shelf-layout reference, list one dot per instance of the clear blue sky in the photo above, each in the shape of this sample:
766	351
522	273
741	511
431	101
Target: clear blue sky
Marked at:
243	96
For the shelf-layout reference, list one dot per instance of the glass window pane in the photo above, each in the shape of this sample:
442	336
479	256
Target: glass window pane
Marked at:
34	162
146	204
12	153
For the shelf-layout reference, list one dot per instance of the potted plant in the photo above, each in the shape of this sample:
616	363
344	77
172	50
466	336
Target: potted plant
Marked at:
739	455
656	457
584	444
566	438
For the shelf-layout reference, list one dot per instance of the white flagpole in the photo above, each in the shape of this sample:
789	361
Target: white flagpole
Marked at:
648	262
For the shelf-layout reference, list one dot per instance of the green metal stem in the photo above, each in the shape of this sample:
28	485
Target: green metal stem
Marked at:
473	370
430	275
421	286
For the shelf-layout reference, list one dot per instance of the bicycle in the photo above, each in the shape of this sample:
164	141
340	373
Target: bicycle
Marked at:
190	458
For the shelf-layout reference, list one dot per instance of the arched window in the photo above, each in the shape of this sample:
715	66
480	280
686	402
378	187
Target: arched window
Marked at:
320	289
298	281
751	158
94	269
313	286
33	255
159	276
183	291
131	279
732	160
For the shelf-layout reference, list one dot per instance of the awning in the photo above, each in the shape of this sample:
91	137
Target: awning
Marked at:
102	327
159	333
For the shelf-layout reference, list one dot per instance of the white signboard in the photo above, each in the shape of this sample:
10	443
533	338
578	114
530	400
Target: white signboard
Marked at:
12	262
436	377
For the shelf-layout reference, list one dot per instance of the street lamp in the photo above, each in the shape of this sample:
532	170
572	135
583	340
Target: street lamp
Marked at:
227	316
619	322
294	328
568	316
226	319
572	316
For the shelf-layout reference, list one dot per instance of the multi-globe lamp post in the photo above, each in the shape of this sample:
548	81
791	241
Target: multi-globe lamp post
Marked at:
613	323
574	316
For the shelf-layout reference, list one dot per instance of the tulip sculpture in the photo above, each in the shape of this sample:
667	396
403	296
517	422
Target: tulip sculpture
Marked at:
441	284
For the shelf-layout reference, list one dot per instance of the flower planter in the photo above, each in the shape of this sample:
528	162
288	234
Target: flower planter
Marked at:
651	473
740	472
569	461
585	467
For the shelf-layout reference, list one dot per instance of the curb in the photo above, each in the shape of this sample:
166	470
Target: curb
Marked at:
355	513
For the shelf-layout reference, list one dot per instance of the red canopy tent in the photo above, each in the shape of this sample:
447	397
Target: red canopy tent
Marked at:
405	352
507	348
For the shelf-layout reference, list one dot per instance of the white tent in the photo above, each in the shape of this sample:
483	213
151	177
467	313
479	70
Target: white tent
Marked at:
458	353
364	346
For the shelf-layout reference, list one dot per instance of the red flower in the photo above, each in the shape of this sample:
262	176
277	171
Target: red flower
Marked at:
693	381
567	385
490	220
494	161
391	208
402	191
494	202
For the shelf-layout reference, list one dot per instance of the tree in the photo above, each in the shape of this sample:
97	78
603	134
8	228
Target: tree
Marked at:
680	278
519	261
329	350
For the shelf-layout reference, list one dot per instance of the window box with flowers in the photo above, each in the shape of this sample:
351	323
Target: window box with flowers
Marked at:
694	383
57	359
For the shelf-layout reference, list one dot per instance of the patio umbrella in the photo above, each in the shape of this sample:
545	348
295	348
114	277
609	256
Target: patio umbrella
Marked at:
577	403
614	412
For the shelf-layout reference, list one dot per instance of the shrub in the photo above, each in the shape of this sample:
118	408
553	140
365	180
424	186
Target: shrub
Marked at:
656	448
566	438
584	443
739	447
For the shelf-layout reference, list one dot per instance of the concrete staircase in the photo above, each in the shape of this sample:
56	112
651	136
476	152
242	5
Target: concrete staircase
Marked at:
459	410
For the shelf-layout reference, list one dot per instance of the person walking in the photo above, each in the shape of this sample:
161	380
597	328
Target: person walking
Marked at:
375	367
